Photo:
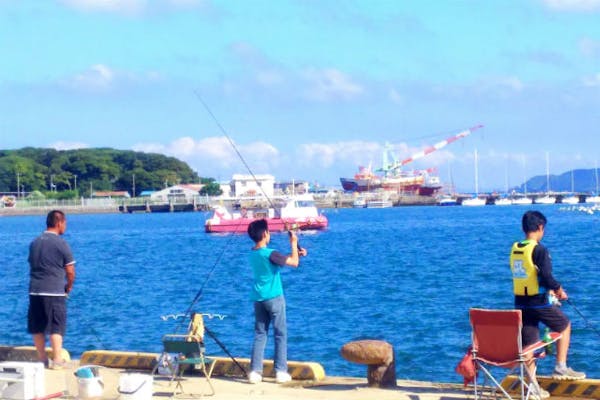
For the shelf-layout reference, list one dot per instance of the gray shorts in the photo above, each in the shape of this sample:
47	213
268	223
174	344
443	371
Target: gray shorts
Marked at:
47	314
552	317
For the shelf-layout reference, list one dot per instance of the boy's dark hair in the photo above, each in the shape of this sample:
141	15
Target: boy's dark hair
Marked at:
532	220
54	217
257	228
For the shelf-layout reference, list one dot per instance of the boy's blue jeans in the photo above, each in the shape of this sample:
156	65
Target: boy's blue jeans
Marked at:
265	312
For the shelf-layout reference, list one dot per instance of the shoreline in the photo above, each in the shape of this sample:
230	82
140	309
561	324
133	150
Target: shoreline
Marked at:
343	201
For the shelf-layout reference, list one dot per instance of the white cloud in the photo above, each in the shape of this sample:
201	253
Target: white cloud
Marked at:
269	78
327	154
589	47
396	97
112	6
97	77
511	82
215	155
573	5
592	80
131	7
495	85
102	78
60	145
330	84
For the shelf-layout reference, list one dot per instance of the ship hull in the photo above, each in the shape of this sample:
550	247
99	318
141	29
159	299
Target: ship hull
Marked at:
413	186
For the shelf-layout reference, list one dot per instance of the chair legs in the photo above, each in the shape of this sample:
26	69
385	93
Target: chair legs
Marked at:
178	391
208	374
527	385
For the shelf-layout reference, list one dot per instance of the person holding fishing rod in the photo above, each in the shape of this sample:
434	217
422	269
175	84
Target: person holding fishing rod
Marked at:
51	277
269	302
537	294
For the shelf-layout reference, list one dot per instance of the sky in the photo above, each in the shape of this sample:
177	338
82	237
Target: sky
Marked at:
309	90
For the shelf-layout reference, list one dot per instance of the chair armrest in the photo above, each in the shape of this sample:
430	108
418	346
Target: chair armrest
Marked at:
183	338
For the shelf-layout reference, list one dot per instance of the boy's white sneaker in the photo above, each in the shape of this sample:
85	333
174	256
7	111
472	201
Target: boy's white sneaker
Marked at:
282	377
254	377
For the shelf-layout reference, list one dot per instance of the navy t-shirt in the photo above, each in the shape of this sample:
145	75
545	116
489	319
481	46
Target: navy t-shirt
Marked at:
48	256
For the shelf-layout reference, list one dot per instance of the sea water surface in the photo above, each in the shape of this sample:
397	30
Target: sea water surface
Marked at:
405	275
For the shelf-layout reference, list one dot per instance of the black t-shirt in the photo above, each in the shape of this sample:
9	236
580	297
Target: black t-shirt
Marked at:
48	256
543	261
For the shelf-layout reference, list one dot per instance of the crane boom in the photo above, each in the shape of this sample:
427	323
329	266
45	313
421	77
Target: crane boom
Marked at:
398	164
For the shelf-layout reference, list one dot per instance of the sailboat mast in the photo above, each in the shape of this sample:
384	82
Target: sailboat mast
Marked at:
547	173
596	170
524	176
476	176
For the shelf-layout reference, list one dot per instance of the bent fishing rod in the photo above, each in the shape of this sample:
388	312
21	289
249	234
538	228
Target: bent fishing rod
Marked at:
227	244
587	322
231	142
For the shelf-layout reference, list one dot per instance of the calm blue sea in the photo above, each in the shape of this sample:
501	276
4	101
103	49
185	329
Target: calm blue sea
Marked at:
406	275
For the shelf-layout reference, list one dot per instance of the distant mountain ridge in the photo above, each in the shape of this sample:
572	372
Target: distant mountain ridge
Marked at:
584	182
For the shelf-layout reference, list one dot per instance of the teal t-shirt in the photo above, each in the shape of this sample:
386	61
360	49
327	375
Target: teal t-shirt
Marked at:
267	280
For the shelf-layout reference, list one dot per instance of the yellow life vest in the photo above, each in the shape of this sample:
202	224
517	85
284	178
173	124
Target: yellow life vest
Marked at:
524	271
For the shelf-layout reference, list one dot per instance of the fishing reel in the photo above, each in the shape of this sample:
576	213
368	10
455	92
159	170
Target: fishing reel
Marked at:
293	228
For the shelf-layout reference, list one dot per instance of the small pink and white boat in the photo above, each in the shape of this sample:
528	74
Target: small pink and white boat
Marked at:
297	212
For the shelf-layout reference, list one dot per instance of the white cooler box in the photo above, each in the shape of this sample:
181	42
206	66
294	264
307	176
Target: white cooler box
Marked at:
21	380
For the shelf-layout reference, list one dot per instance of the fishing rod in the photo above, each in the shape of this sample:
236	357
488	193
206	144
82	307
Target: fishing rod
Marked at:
211	271
587	322
231	142
224	132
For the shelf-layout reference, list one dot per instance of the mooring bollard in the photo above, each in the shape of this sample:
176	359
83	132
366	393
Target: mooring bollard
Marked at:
379	358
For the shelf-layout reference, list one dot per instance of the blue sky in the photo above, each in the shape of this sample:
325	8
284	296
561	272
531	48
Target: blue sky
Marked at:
308	89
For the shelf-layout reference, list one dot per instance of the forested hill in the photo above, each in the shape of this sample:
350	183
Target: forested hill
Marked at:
79	171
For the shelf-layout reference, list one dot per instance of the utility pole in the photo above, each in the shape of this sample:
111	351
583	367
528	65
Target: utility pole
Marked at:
18	185
75	182
133	189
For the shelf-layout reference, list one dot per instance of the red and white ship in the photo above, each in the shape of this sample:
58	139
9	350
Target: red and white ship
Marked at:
295	212
394	178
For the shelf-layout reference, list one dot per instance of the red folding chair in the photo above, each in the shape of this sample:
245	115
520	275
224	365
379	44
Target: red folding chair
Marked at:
496	341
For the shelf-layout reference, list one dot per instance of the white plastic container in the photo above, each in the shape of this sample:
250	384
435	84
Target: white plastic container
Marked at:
21	380
135	386
90	388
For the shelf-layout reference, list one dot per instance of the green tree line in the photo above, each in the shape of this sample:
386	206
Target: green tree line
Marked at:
72	173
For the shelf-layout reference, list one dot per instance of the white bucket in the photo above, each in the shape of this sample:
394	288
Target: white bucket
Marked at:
90	388
135	387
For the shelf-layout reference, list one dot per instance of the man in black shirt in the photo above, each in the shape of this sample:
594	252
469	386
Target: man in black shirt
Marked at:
51	277
534	288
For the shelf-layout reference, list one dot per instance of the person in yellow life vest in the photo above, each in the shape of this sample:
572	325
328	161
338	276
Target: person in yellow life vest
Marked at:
533	287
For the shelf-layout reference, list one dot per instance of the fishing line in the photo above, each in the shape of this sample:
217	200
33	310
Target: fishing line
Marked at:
227	244
89	326
224	132
587	322
208	276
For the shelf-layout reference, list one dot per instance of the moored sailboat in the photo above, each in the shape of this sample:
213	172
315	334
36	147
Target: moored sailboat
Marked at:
596	198
572	199
476	200
547	199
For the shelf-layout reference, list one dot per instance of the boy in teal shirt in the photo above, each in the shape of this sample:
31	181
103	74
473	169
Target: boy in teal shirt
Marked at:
269	303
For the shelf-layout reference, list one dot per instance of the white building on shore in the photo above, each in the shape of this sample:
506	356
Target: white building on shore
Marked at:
248	186
183	193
